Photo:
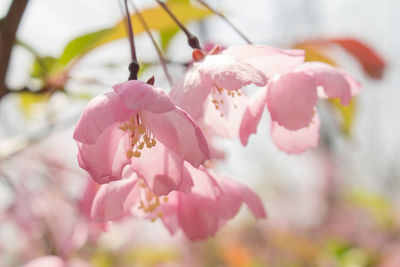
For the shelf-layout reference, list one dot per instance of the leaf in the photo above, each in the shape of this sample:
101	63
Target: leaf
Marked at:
81	44
32	102
347	114
166	37
42	66
314	53
372	63
156	18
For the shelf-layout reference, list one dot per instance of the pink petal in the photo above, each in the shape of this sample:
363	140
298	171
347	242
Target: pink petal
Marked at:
296	142
177	131
191	92
330	78
229	73
170	214
197	216
291	100
355	86
114	200
105	159
269	60
86	200
46	261
233	189
137	95
232	110
101	112
252	115
204	183
160	167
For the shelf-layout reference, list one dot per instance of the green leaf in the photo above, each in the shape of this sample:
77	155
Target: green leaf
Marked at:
166	37
81	44
42	66
32	102
156	18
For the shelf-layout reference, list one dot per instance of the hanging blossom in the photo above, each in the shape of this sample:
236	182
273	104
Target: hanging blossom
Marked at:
213	200
138	125
212	89
291	98
288	87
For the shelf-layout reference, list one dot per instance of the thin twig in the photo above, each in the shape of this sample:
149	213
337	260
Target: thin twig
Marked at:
159	53
192	39
134	66
222	16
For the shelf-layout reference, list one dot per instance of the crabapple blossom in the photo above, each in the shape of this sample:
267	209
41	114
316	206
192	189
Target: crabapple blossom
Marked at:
211	91
137	125
291	98
211	202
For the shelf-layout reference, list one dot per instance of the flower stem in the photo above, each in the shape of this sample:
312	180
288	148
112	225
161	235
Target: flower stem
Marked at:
192	39
134	66
159	53
222	16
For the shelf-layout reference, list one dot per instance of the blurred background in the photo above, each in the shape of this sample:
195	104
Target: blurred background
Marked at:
336	205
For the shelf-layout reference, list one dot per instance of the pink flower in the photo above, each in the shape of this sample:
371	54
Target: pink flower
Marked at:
211	89
213	200
291	98
55	261
138	125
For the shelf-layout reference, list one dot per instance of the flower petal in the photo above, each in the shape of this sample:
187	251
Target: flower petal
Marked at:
101	112
330	78
269	60
229	73
105	159
291	99
296	142
160	167
244	194
204	183
114	200
191	92
252	115
197	216
138	94
46	261
225	121
177	131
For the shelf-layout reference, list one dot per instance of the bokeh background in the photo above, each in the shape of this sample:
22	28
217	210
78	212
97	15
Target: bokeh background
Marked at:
336	205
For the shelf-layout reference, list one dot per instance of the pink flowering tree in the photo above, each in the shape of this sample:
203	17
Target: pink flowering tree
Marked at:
147	147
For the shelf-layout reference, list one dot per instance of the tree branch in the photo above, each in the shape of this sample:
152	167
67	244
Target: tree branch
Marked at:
8	30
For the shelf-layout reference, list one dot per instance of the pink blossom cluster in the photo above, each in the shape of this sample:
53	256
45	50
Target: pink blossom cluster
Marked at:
150	149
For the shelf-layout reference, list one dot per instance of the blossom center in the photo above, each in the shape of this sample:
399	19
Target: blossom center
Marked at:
149	202
139	135
219	96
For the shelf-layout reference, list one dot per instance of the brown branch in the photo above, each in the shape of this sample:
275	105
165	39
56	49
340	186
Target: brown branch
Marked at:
8	30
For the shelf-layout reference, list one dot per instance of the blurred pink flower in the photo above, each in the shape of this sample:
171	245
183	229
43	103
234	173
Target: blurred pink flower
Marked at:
213	200
123	127
291	98
55	261
211	90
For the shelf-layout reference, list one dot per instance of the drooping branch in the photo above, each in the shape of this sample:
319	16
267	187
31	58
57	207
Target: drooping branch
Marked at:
222	16
134	66
192	39
159	53
8	30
